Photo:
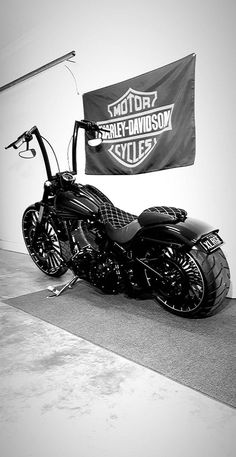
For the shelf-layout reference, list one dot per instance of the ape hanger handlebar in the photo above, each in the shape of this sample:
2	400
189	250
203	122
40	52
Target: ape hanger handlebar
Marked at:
89	126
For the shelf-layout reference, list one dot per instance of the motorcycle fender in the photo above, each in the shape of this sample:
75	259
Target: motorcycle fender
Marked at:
188	233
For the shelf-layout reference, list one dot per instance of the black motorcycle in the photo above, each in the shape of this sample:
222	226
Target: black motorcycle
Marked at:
161	253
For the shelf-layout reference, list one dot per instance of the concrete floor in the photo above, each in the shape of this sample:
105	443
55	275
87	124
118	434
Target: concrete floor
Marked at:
61	396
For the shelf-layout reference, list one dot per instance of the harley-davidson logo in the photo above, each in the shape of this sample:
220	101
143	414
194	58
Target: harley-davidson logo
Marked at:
134	126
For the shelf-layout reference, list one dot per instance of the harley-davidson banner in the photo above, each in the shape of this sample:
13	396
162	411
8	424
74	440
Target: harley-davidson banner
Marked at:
150	119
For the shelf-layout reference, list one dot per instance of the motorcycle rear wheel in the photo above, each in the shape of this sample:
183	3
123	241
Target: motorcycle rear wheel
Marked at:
49	252
194	283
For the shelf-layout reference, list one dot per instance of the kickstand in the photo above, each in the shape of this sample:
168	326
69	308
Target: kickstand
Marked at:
69	285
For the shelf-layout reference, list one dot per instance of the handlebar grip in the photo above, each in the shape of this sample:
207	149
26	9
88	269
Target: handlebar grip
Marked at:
9	146
17	143
26	136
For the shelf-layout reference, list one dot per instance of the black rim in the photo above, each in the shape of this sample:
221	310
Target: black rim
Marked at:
45	251
179	283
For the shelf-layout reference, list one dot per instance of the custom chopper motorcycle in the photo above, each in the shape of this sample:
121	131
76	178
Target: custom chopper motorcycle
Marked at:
161	253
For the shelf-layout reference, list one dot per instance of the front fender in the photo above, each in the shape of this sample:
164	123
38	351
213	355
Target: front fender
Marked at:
189	232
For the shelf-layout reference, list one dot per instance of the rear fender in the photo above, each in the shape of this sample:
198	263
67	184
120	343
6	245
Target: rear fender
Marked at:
187	233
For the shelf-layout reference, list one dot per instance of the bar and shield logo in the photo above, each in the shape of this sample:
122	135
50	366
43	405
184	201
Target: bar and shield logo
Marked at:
149	118
135	123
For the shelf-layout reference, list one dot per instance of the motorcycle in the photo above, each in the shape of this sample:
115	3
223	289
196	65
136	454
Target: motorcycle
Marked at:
160	253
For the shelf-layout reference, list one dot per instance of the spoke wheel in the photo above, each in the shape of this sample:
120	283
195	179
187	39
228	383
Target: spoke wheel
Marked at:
47	251
179	284
190	284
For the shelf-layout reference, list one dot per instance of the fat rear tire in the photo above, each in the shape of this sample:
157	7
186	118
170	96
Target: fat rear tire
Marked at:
217	281
194	285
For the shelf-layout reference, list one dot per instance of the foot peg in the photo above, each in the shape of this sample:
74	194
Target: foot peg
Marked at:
69	285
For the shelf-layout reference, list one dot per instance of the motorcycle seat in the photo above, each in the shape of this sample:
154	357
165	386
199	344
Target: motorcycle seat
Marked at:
161	215
120	225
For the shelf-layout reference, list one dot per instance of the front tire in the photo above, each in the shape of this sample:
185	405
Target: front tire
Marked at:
192	284
48	252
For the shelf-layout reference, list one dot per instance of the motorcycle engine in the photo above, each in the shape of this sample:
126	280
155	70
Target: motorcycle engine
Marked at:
100	268
105	274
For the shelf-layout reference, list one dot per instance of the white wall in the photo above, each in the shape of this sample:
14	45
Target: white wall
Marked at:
116	40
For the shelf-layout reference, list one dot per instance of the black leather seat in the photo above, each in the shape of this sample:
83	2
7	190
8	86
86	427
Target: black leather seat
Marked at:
120	225
151	218
161	215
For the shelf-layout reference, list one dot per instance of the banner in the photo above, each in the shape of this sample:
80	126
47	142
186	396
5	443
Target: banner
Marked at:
150	119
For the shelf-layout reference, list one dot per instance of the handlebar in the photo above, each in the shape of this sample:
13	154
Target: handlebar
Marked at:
25	137
90	126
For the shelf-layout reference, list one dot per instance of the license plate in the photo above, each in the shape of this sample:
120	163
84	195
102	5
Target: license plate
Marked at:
211	242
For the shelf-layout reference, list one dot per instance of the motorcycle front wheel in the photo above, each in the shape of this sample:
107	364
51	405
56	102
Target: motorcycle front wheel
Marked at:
189	284
48	252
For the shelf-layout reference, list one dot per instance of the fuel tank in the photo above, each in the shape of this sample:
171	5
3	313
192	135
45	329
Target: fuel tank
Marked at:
80	202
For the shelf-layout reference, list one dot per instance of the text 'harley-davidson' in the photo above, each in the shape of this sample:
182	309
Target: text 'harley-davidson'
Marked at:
162	253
